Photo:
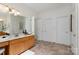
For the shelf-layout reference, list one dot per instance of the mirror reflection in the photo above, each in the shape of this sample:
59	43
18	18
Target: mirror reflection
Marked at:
14	24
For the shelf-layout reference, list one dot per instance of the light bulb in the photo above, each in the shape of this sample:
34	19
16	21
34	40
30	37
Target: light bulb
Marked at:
6	8
1	19
13	10
17	13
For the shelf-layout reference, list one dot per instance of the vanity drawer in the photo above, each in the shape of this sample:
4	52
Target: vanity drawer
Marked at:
2	44
17	41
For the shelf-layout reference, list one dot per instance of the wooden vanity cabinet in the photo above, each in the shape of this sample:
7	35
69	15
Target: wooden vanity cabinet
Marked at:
29	42
16	46
20	45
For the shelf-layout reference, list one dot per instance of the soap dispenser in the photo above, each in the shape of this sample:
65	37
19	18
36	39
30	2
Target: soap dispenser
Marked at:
25	31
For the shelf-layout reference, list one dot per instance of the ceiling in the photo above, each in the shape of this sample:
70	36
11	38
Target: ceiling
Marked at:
38	7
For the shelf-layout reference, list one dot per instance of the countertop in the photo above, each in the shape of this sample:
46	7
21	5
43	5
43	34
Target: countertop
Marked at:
13	37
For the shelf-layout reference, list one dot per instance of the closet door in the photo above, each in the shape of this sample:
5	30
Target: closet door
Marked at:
63	30
46	29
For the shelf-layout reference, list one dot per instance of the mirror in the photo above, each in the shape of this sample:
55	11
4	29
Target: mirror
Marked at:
2	26
15	24
20	24
3	19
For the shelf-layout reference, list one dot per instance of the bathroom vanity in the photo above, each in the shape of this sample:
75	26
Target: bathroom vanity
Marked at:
17	45
20	30
21	34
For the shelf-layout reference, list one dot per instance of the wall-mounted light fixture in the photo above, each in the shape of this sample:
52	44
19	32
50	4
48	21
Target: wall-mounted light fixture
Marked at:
1	19
13	11
8	9
3	8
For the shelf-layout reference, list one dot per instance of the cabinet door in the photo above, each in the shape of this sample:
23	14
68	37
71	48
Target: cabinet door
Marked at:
16	47
29	42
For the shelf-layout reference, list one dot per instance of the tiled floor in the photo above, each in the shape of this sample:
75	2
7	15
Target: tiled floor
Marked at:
48	48
28	52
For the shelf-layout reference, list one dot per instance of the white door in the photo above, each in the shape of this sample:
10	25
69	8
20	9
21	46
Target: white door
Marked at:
63	30
46	29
